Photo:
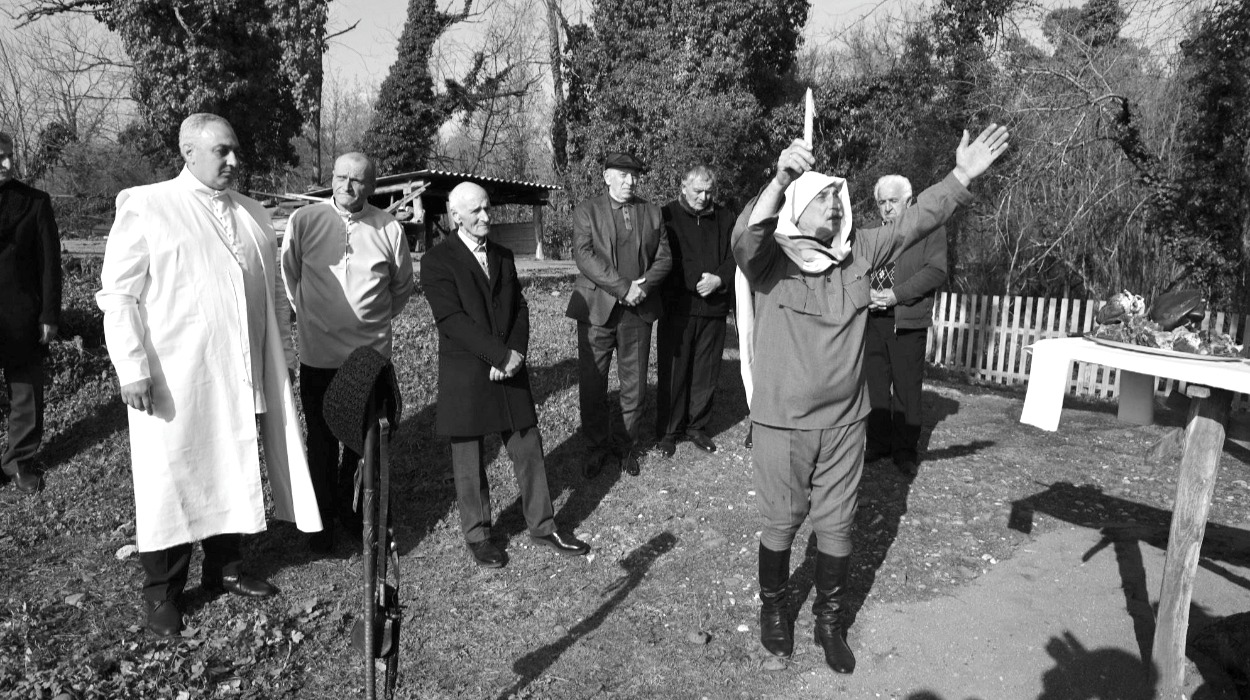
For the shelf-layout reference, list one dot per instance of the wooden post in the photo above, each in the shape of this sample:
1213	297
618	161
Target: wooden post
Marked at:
538	231
1200	463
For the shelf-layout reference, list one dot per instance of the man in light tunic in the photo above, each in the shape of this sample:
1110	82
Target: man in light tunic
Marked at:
811	280
349	274
198	330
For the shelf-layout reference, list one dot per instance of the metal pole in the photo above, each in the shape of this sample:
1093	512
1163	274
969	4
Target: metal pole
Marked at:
369	537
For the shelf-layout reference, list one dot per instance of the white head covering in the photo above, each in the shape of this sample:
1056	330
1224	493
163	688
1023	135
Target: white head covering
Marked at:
808	253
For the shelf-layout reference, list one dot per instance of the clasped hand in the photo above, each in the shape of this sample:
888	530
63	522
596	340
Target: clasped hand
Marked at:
510	368
635	295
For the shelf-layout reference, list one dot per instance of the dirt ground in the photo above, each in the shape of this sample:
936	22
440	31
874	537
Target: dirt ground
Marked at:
1019	564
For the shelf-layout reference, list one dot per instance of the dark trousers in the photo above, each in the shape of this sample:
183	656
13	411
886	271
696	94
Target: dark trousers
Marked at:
688	350
629	336
894	372
333	481
525	449
25	388
166	569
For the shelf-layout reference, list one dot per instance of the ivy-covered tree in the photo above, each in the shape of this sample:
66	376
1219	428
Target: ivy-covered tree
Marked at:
258	64
408	113
679	84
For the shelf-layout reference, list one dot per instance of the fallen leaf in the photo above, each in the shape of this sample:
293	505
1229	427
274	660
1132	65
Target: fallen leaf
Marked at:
74	599
774	663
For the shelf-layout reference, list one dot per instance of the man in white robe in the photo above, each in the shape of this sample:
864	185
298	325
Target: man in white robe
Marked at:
198	328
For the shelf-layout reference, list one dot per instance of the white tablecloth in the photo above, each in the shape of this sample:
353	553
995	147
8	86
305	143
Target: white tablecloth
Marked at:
1052	369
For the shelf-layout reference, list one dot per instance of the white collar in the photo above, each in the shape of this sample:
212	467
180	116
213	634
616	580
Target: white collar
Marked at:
191	182
348	215
472	242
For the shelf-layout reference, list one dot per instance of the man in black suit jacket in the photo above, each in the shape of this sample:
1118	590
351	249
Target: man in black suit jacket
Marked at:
697	295
622	253
483	386
30	287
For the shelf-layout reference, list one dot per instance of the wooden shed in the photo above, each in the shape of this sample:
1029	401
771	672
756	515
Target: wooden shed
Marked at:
419	200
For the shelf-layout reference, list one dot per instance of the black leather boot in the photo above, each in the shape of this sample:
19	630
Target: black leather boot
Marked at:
830	608
776	625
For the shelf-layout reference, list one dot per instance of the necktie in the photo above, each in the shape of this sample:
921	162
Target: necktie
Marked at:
629	222
480	253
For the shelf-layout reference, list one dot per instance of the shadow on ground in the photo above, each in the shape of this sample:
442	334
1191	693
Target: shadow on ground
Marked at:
1125	526
636	564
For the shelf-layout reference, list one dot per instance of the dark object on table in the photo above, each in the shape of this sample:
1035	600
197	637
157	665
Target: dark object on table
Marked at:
1182	307
1120	307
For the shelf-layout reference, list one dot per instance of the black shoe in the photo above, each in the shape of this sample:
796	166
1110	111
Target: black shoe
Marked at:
746	442
322	542
595	463
239	584
907	467
702	441
667	446
28	480
164	618
563	544
875	455
629	464
487	554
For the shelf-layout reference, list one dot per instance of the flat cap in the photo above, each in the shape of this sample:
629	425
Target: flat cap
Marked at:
623	161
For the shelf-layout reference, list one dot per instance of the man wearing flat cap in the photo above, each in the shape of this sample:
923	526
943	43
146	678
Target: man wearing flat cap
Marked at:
622	254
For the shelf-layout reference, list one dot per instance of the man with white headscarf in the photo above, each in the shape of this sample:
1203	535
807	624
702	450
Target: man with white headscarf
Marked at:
811	278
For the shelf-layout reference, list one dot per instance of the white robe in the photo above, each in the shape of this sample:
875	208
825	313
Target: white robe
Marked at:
175	312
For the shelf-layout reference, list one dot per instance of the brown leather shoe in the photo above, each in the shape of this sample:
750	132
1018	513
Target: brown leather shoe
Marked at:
240	585
164	618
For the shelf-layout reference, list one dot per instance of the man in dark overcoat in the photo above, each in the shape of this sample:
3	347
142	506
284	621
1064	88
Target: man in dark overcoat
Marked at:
30	311
622	253
483	385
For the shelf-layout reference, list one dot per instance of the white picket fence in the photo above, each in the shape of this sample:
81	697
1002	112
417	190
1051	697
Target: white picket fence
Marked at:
985	336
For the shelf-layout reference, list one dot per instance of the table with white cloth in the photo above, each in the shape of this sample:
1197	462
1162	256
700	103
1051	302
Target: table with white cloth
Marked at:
1211	386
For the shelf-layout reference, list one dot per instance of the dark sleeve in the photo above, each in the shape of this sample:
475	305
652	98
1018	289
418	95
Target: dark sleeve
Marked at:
680	272
663	262
725	271
439	284
590	263
932	272
49	263
519	336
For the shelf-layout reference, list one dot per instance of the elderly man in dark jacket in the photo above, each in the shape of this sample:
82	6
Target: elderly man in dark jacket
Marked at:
697	295
30	287
622	253
483	386
899	317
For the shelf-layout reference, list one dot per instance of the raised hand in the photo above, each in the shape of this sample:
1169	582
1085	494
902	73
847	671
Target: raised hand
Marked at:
793	162
972	159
